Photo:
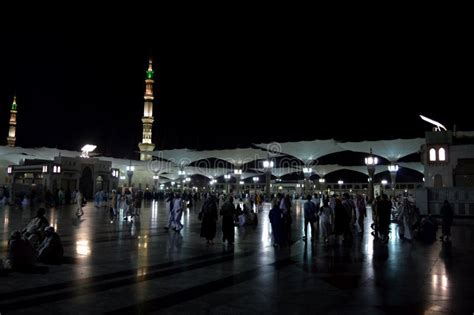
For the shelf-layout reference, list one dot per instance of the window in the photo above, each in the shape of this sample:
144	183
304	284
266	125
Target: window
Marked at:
442	154
432	154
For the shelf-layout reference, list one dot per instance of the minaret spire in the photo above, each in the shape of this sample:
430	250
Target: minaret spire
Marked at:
146	145
12	131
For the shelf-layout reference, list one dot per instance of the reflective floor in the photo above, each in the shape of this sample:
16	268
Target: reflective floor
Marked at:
114	266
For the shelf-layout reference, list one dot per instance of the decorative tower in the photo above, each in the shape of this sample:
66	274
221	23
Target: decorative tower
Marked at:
146	145
12	132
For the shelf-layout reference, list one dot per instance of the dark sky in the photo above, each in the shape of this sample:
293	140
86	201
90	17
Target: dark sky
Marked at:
222	87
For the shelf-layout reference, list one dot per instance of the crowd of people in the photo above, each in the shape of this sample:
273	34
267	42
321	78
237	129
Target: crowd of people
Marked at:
341	218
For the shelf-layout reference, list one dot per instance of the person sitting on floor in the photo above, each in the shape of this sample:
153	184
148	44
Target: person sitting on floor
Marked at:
21	255
51	249
428	229
33	232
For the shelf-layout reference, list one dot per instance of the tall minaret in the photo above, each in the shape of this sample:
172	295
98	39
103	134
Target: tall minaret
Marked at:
12	132
146	145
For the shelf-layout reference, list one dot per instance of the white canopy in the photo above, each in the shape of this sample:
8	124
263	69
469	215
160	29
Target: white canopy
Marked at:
238	157
281	171
306	151
417	166
391	150
180	157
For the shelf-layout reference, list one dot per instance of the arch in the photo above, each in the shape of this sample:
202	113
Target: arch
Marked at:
432	154
86	183
442	154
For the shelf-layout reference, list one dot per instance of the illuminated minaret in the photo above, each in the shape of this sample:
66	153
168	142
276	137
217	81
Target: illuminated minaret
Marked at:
146	145
12	132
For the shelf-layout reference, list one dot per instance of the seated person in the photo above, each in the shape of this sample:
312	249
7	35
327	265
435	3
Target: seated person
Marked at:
21	255
428	229
35	228
51	250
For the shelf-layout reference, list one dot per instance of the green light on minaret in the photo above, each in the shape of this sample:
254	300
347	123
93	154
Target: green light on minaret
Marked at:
14	103
150	72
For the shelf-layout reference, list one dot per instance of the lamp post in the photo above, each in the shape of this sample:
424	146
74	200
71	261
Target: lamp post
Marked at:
211	183
181	174
371	161
238	174
321	184
156	178
340	183
11	180
384	182
130	170
307	173
181	177
227	178
268	165
255	181
393	169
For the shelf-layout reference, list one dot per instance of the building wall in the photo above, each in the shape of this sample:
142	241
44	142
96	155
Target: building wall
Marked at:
430	200
446	170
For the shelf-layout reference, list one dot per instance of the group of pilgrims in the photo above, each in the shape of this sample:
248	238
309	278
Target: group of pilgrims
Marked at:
212	208
328	215
340	217
36	242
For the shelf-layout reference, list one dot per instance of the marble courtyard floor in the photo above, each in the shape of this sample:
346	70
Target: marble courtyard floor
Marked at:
113	266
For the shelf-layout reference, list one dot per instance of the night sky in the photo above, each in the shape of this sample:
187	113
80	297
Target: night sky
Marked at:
222	88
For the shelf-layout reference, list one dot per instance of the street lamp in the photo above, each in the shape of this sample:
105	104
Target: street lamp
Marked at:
393	169
156	178
268	165
321	183
130	170
227	178
340	183
211	183
384	182
181	173
371	161
255	181
237	173
307	173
